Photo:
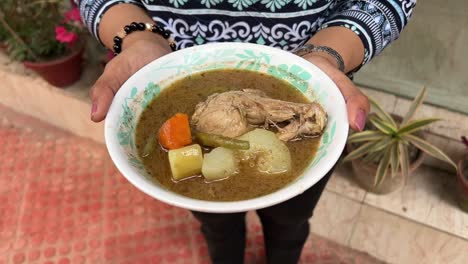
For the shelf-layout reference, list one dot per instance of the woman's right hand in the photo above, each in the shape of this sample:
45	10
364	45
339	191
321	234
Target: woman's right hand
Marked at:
119	69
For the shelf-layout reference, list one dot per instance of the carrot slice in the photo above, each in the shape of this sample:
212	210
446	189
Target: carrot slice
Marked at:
175	132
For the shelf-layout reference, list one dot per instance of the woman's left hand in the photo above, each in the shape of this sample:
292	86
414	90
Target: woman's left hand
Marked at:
357	103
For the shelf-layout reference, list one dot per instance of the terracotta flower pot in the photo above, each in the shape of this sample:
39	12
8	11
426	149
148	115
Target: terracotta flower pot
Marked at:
364	173
462	183
61	72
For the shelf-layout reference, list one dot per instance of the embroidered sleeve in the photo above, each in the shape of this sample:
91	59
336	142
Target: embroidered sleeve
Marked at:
92	10
376	22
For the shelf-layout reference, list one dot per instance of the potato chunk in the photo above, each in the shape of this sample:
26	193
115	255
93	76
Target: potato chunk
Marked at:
186	161
268	151
219	164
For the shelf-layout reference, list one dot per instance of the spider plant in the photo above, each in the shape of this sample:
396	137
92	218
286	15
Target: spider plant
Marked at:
387	141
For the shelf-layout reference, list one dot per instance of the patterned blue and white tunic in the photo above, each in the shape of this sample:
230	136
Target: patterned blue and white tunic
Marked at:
286	24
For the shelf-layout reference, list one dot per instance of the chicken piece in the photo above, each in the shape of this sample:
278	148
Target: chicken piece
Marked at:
221	114
234	113
311	123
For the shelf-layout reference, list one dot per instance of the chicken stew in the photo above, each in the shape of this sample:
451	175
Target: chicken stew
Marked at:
228	135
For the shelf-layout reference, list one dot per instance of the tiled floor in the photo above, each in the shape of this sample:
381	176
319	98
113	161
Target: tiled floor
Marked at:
62	201
401	241
429	198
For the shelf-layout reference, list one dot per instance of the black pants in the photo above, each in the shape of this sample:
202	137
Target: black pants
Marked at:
285	229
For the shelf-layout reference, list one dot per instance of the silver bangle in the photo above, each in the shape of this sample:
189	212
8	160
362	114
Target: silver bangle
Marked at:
309	48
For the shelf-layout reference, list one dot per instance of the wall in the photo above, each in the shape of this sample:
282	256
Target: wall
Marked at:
432	51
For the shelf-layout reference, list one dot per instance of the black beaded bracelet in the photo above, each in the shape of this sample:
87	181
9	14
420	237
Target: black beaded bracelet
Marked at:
134	26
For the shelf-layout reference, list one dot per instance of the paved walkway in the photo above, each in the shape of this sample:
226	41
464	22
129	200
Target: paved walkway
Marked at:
62	201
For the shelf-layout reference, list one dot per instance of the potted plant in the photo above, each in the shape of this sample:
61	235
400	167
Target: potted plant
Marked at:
462	179
44	37
390	148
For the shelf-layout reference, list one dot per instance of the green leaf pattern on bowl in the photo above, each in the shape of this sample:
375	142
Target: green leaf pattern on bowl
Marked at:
195	62
324	144
293	74
251	61
128	121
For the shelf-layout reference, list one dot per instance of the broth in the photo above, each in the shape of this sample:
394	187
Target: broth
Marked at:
182	97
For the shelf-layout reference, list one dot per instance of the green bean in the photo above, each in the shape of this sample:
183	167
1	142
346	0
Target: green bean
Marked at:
209	140
149	146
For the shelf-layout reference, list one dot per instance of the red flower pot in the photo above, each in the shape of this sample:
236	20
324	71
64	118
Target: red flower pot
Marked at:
61	72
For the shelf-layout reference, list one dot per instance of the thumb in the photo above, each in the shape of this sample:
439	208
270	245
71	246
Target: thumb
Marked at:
118	70
357	104
102	94
115	74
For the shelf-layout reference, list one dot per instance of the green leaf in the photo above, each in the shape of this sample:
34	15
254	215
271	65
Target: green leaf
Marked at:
380	112
242	56
429	149
249	66
333	130
250	53
372	157
368	135
415	125
240	63
394	158
382	125
380	145
266	57
404	160
360	151
382	169
304	76
133	92
414	106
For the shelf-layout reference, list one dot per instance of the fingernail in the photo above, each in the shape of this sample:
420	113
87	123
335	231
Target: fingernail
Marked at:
93	109
360	121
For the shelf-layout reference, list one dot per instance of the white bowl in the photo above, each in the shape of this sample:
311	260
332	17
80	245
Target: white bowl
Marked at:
146	84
